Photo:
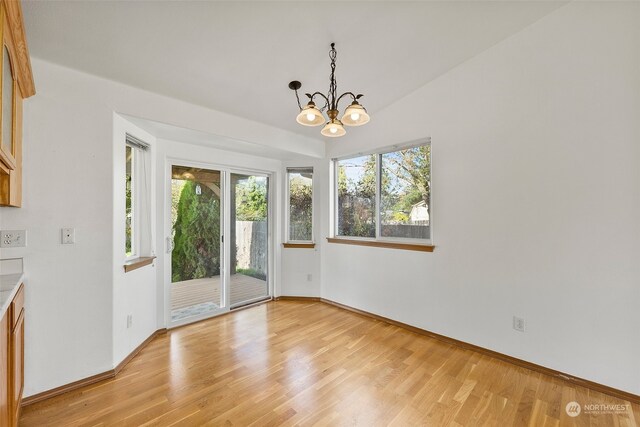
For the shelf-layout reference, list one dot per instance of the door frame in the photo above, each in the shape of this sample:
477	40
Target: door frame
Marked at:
225	172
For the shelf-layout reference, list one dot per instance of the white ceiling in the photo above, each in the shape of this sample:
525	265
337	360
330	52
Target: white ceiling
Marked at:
238	57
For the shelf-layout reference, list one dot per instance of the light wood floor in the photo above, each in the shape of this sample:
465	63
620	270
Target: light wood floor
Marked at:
196	291
300	363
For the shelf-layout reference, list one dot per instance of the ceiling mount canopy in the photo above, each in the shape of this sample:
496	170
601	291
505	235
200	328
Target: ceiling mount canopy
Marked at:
354	115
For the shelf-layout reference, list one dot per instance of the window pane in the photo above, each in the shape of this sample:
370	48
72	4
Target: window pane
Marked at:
300	206
357	196
129	201
405	193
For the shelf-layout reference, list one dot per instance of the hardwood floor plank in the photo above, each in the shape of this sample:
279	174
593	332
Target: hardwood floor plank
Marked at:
290	363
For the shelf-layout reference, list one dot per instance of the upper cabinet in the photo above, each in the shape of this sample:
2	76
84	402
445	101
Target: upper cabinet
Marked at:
17	84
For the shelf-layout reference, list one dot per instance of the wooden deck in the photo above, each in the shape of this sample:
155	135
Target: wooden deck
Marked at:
197	291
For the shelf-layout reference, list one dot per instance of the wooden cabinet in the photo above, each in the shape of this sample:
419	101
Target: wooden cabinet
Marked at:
16	83
4	371
12	360
16	356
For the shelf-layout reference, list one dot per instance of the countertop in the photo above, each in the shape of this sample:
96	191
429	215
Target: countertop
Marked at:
8	288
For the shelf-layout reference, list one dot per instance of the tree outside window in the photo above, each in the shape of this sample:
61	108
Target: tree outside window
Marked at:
403	178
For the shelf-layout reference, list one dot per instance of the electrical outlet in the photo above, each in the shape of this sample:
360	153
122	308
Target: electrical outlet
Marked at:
68	236
309	277
518	324
13	238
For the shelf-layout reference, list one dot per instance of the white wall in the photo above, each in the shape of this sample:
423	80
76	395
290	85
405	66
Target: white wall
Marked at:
134	293
297	263
536	199
77	294
67	182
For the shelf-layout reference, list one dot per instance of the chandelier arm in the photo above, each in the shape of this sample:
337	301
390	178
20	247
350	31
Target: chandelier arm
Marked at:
323	97
298	99
344	94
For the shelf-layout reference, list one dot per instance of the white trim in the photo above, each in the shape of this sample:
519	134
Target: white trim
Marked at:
387	149
333	188
378	196
225	265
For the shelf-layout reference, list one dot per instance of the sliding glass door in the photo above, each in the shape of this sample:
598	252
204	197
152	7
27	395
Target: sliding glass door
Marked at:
249	239
197	285
207	272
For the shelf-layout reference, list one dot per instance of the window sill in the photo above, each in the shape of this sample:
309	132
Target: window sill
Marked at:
136	263
299	245
382	244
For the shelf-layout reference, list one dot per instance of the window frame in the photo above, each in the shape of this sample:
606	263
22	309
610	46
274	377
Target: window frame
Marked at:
385	241
135	203
287	230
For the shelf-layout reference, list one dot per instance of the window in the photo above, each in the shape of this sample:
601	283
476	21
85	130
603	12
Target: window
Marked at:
357	196
130	195
137	203
405	188
300	204
385	195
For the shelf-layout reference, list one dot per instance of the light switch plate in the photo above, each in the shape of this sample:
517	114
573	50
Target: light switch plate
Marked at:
68	236
13	238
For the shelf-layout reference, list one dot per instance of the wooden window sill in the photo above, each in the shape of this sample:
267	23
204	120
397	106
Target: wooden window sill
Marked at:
136	263
299	245
382	244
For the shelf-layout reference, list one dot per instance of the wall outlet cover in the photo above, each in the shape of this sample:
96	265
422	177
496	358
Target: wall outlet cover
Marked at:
13	238
518	324
68	236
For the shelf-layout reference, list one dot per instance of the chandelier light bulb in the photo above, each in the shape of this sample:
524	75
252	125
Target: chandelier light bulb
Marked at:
310	116
333	129
355	115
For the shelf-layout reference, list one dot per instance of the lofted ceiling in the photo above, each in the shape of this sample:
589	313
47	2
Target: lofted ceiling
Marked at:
238	57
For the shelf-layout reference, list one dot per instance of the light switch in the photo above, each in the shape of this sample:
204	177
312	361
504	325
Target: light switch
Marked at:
68	236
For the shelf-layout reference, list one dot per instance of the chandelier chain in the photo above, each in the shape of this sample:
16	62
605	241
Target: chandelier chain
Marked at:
333	84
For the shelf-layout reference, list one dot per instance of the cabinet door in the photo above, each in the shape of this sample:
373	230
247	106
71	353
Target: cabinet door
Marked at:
11	180
17	368
4	367
8	145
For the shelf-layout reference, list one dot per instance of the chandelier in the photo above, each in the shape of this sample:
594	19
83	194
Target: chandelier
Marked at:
310	115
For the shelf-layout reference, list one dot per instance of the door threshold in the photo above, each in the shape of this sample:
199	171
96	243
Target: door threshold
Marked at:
251	302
